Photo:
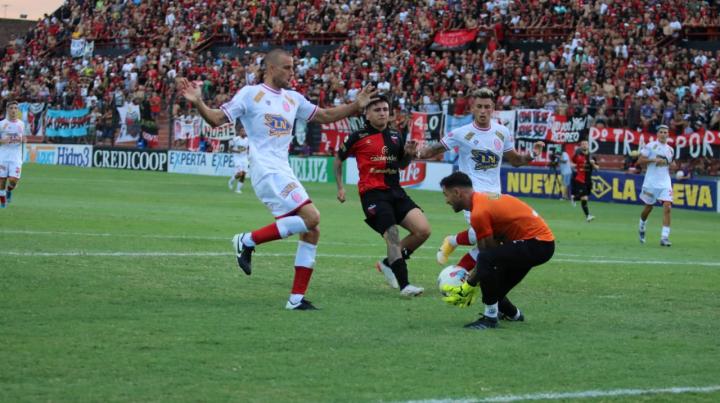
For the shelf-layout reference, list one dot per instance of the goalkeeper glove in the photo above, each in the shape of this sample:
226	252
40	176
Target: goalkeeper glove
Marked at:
462	296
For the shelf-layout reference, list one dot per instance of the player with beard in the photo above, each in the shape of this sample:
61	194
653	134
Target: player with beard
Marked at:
380	153
267	112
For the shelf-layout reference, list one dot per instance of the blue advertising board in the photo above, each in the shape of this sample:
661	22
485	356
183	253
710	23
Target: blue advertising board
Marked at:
608	186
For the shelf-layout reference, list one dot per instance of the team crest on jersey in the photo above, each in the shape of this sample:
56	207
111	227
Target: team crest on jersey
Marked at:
286	106
469	136
395	139
500	135
277	125
498	144
485	159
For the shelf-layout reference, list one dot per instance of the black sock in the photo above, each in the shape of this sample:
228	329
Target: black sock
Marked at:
583	203
507	308
406	253
399	268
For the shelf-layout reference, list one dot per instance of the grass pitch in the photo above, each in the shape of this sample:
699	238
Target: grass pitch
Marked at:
122	286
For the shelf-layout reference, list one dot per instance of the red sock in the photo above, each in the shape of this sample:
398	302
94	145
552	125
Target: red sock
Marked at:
463	238
2	200
302	279
266	234
467	262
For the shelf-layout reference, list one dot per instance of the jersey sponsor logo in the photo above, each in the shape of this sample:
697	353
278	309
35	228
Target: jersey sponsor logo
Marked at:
500	135
384	157
259	97
277	125
485	159
292	101
287	189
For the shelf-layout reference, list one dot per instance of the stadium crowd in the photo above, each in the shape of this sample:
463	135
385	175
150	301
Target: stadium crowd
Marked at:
620	63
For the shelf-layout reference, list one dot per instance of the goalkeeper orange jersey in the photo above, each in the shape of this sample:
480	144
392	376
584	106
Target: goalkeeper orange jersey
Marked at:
506	217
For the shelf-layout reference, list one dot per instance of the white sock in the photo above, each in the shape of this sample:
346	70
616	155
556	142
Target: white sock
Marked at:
305	255
231	180
247	240
452	239
472	236
240	185
665	234
491	311
291	225
642	225
296	298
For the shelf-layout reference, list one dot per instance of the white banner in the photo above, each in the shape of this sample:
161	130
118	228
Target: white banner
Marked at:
195	163
129	122
59	154
422	175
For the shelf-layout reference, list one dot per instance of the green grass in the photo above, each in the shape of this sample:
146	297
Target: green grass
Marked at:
193	328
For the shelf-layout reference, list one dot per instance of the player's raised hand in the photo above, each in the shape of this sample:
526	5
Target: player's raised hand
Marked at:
411	147
341	195
188	89
538	147
366	95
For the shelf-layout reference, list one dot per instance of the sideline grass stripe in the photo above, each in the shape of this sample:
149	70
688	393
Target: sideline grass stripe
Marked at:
588	394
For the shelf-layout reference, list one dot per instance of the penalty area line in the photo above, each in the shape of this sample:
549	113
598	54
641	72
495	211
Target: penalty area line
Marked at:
587	394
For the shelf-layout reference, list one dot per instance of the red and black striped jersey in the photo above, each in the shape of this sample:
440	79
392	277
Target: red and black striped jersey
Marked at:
378	155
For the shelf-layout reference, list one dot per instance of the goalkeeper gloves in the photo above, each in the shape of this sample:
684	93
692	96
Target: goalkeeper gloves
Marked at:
462	296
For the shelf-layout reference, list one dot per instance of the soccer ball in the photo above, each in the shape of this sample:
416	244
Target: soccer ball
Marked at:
679	174
453	276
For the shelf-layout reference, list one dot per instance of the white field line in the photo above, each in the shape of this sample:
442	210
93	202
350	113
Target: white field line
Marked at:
322	242
587	394
81	253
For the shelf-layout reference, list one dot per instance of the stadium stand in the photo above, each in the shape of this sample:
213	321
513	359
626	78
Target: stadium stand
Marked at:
634	64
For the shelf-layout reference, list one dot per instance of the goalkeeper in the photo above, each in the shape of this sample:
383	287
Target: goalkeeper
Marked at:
527	242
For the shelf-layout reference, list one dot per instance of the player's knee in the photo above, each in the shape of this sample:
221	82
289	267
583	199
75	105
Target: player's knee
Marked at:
423	232
312	219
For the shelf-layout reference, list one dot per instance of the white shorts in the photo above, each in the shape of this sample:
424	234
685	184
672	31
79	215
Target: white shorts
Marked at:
651	195
183	134
10	169
282	194
240	163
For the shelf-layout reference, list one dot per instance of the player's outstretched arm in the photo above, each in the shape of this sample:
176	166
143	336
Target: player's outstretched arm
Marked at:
516	159
431	150
330	115
192	92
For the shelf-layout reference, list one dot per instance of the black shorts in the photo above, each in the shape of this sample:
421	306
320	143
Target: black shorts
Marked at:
580	189
385	208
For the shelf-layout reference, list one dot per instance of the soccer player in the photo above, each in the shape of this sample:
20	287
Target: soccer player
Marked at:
528	242
12	132
584	163
658	156
380	153
267	112
481	146
239	147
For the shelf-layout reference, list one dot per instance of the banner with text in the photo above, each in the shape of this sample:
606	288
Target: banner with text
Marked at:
622	141
695	194
195	163
332	135
59	154
426	127
454	40
139	160
67	123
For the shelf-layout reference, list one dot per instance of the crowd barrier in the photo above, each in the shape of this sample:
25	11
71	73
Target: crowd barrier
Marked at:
608	186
